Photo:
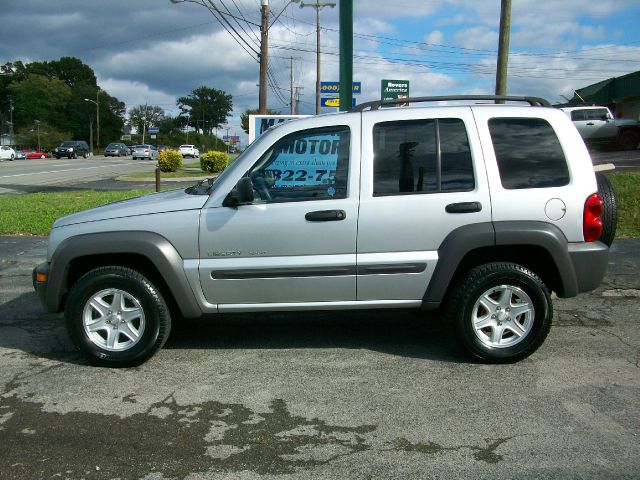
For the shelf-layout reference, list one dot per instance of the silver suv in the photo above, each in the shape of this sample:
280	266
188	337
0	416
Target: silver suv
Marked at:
481	210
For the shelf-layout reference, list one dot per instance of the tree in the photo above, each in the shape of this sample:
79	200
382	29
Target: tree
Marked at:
48	136
40	98
244	118
143	116
206	107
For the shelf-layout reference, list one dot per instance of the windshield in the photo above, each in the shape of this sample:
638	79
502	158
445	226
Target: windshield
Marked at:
112	145
205	187
68	144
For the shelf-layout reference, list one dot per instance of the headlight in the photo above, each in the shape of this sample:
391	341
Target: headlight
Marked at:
71	149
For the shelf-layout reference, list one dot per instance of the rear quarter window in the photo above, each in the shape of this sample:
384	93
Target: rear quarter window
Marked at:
528	153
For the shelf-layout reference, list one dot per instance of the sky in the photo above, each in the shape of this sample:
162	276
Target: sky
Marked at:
154	51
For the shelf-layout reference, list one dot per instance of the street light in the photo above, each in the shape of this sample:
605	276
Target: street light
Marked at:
97	104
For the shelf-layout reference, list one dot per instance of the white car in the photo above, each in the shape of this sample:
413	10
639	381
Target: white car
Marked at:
189	151
7	153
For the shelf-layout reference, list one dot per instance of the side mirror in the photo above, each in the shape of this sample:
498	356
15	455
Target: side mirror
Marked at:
242	194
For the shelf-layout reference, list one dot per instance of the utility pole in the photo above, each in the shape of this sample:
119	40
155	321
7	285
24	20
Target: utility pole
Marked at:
297	111
144	123
318	6
346	54
98	120
291	100
264	60
503	48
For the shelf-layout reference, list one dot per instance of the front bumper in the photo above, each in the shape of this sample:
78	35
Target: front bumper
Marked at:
41	286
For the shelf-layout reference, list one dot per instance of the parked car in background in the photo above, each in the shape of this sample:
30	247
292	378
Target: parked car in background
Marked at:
146	151
72	149
7	153
20	155
189	151
163	147
597	125
116	150
37	154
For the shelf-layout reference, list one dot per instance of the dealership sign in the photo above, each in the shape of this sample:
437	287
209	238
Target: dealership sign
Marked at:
258	124
394	90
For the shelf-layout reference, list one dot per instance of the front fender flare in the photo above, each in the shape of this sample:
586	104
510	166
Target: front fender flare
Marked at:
152	246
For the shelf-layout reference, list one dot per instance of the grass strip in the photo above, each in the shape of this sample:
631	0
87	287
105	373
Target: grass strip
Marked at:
34	213
627	188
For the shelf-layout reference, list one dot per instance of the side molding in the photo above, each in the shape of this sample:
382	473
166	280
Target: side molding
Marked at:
154	247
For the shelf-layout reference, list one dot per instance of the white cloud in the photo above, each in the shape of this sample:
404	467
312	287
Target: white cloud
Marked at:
136	93
435	37
477	38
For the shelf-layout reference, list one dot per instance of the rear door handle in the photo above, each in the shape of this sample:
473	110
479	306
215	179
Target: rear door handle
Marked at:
463	207
326	216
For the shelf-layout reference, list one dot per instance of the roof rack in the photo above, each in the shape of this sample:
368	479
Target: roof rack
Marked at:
533	101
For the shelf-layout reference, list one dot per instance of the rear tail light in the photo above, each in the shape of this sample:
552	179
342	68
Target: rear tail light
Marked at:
592	218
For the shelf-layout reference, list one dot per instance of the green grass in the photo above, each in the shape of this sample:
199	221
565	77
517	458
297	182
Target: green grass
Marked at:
627	188
34	213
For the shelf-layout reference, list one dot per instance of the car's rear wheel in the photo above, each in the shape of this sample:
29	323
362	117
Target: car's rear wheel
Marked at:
502	312
117	317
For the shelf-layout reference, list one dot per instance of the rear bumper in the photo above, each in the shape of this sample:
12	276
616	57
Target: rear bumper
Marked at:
590	262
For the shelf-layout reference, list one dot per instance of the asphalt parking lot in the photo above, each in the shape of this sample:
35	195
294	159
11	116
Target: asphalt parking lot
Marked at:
326	395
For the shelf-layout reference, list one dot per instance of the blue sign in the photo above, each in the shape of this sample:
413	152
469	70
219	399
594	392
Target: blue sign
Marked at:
334	87
153	130
334	102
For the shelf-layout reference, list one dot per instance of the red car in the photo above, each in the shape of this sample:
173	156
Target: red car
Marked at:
37	154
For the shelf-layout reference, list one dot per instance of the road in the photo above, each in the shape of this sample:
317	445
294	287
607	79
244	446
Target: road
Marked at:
323	396
21	176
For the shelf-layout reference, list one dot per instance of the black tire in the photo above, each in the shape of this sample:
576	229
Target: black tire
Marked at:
609	209
477	284
85	155
12	157
57	157
157	318
628	139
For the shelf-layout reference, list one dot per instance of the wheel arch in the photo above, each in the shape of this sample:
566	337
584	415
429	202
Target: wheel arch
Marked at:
541	247
147	252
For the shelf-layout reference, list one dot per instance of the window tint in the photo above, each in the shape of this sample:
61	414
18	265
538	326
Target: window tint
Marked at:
528	153
577	115
596	113
306	165
407	158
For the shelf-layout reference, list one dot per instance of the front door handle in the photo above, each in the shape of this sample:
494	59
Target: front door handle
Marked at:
463	207
590	123
326	215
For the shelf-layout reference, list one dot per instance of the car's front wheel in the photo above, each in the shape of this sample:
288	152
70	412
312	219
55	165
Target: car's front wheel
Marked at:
117	317
502	312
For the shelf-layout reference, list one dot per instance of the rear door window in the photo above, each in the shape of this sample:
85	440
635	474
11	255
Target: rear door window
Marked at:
528	153
421	156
